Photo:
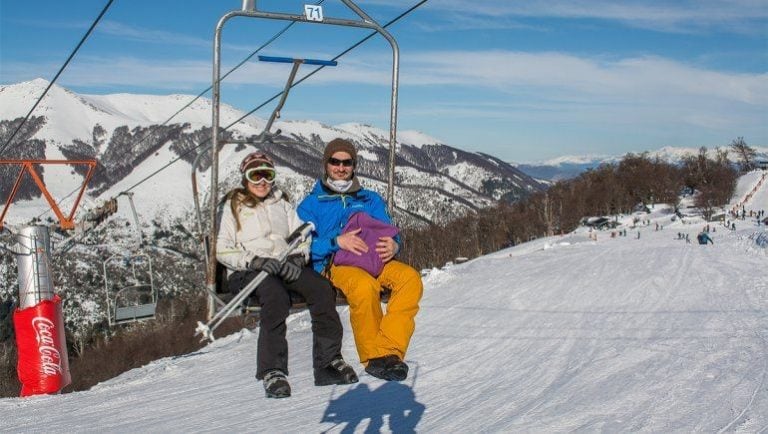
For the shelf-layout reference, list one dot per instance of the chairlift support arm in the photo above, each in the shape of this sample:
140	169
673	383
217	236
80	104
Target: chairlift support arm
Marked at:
288	84
139	235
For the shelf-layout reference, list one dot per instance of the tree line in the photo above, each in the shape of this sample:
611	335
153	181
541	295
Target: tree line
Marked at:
637	180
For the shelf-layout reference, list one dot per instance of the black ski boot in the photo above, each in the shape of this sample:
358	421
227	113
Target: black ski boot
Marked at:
389	368
337	372
276	385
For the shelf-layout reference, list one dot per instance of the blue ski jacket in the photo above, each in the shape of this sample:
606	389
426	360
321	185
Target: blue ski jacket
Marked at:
329	212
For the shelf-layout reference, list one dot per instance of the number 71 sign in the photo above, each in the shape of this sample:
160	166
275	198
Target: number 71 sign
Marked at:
313	12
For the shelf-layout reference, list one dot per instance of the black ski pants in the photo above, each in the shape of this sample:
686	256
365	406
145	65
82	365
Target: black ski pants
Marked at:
275	301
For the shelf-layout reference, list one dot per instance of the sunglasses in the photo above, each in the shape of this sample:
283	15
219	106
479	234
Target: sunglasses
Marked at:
259	175
346	163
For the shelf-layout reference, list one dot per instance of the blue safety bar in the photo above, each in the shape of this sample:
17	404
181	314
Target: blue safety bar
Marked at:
290	60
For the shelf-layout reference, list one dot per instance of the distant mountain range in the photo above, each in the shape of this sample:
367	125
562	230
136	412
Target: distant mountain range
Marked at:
570	166
133	140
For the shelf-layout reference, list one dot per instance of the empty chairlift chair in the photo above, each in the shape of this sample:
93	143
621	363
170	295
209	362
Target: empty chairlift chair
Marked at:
128	281
131	294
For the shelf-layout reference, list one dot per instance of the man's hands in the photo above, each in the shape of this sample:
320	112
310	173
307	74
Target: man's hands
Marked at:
350	241
386	247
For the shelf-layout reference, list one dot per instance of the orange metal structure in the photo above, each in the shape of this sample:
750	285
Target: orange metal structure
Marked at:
66	222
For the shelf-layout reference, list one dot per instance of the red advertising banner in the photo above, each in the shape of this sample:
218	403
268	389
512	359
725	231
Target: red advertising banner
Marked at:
43	367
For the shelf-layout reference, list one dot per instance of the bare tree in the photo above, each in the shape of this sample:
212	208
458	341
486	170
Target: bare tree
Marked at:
745	153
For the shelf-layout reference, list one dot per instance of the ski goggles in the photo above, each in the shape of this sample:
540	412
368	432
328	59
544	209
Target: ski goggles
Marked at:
346	163
258	175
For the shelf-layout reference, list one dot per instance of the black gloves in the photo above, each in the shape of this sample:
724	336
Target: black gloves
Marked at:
270	265
289	271
292	268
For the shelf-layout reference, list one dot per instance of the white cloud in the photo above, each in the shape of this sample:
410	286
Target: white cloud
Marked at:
546	76
567	76
738	16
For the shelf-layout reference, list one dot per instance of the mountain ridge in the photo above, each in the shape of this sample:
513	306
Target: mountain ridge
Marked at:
130	133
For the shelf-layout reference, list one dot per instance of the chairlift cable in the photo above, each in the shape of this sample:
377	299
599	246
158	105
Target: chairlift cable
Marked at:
357	44
71	55
199	95
302	79
242	62
338	56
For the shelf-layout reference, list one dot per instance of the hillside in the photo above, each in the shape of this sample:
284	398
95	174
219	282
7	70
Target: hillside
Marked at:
622	334
135	136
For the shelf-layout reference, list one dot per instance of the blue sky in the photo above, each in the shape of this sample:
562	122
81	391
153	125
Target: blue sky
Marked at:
521	80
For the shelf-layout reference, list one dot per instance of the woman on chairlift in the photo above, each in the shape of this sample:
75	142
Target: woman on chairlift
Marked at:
255	222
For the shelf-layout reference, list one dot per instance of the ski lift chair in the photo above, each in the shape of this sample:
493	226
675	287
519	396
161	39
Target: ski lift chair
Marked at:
136	299
128	281
312	14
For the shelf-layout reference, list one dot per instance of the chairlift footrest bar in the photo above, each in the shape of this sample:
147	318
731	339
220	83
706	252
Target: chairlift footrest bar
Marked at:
292	60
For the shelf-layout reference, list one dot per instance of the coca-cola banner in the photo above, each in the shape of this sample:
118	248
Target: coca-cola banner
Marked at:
42	348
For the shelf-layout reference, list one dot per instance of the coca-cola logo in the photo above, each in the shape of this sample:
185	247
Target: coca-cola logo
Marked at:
50	358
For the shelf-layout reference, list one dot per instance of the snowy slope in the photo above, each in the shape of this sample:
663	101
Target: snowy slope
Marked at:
560	334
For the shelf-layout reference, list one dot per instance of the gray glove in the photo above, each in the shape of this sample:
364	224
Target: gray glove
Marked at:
270	265
291	269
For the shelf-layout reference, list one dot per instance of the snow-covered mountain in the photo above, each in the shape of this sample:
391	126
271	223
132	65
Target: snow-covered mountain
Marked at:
568	166
637	333
133	137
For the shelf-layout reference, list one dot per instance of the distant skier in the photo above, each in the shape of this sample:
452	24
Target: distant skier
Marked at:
704	238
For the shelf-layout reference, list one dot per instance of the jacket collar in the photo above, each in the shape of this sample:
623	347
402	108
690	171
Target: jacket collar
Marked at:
353	189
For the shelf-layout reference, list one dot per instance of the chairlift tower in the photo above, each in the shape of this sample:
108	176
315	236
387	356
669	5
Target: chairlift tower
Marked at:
313	14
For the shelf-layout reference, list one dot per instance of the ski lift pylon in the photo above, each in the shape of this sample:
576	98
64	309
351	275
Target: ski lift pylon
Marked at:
28	166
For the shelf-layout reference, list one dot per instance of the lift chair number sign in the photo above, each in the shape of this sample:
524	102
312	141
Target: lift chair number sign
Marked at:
313	12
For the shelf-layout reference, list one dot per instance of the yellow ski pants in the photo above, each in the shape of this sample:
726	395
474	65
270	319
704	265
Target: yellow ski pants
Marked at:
377	333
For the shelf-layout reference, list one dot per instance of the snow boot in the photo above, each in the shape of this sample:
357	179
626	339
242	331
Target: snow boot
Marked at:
389	368
337	372
276	384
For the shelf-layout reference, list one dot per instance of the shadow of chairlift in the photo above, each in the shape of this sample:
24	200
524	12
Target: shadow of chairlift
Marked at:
134	298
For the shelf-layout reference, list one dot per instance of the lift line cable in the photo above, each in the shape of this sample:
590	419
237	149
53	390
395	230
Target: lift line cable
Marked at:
357	44
249	57
71	55
302	79
199	95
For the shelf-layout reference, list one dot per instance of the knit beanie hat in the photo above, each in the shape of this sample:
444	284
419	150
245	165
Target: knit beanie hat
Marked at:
339	145
256	159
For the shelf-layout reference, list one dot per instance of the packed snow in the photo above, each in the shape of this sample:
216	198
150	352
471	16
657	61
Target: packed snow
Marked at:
643	332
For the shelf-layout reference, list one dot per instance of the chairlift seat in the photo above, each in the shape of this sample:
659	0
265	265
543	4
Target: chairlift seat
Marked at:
135	313
298	302
138	311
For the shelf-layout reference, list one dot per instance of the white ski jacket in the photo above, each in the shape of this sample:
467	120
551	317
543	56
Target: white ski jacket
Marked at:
263	230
